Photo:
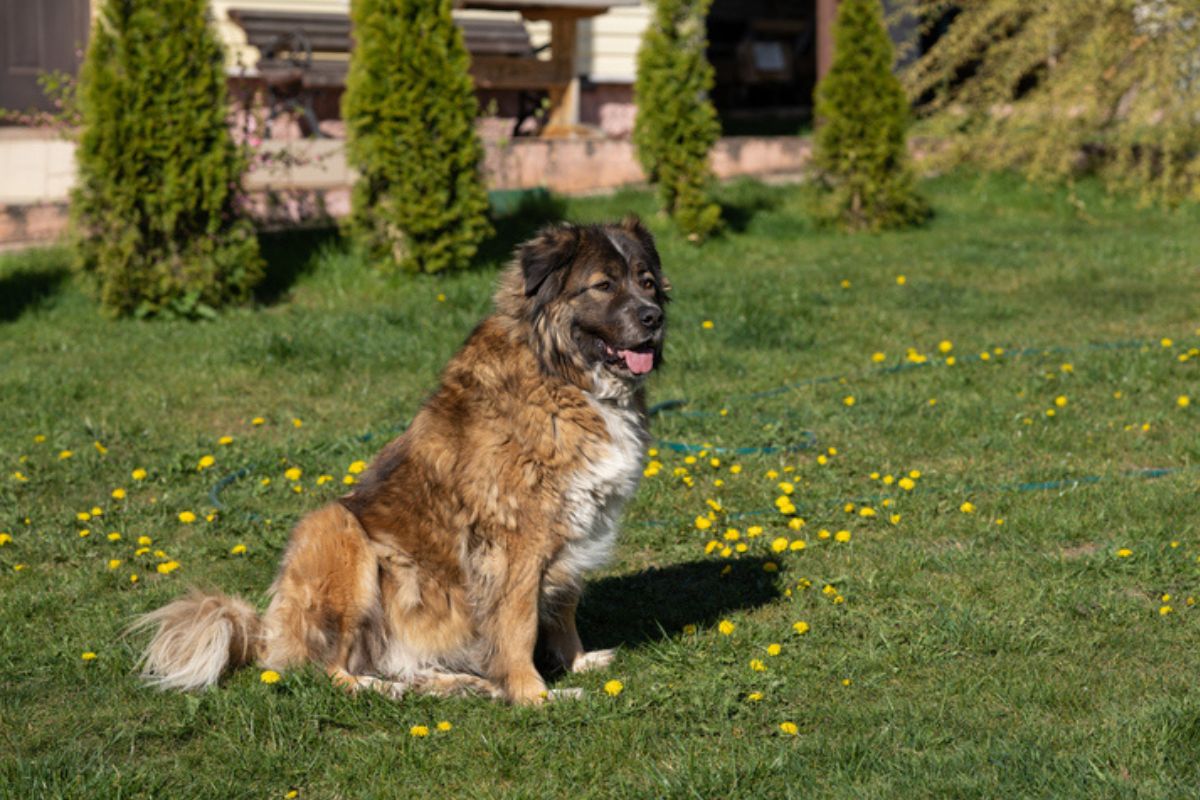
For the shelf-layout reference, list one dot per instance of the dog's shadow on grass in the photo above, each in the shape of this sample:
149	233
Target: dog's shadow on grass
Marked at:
656	603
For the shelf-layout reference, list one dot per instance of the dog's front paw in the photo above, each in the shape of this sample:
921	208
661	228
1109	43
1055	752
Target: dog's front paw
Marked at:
595	659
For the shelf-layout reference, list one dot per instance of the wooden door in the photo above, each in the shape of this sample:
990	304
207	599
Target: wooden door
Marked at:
38	36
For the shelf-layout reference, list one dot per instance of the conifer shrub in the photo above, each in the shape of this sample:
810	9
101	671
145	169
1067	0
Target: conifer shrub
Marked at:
1056	90
155	217
419	204
676	123
860	150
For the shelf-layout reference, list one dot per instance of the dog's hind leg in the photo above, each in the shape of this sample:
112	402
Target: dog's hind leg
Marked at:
325	596
455	684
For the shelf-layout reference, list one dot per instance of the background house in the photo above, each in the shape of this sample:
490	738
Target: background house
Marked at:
767	54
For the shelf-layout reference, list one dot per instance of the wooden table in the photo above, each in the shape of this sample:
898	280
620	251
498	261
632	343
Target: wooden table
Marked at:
556	73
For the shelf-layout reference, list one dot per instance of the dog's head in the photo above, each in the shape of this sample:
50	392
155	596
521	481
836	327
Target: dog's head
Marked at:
594	296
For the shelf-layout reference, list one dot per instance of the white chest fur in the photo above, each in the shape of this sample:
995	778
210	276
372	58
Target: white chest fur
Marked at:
599	491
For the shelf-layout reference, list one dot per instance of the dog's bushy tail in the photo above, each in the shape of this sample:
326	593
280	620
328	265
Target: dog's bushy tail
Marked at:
199	637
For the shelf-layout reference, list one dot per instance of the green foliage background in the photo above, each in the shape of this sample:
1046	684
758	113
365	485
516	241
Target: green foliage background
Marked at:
420	204
154	211
1059	89
676	123
860	148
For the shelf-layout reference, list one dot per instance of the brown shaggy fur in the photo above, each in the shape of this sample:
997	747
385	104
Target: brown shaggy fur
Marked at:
466	539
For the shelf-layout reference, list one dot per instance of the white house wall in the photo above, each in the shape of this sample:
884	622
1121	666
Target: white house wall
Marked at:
607	45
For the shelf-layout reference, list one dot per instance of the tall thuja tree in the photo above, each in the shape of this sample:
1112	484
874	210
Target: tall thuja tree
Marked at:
860	150
1055	89
154	211
419	203
676	124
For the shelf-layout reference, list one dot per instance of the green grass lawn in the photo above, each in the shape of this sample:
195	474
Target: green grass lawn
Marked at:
999	629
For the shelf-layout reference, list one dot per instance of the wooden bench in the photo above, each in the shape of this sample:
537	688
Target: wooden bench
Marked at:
301	54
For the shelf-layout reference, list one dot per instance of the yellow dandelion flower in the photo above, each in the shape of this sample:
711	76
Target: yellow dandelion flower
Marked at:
5	539
703	523
894	519
866	511
82	516
707	324
823	534
97	511
257	421
613	688
822	460
1167	342
138	474
757	665
796	523
770	566
967	507
444	726
114	536
133	578
418	731
293	474
845	284
846	681
907	484
1124	552
145	540
800	627
84	533
187	517
726	627
736	469
732	534
39	438
1183	401
205	462
901	280
789	728
945	346
63	455
798	544
88	656
348	480
848	400
113	563
297	422
1061	401
754	697
888	480
842	536
1164	610
269	676
237	550
779	545
774	649
356	467
167	567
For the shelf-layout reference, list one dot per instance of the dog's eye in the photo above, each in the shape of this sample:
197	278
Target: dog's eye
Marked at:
602	286
647	284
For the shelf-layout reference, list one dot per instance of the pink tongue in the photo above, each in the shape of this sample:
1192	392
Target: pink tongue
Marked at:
638	363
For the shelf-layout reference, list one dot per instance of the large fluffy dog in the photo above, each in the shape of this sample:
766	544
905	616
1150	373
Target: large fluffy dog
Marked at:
467	538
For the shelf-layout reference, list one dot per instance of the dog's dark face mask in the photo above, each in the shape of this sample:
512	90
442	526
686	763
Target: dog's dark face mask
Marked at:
606	283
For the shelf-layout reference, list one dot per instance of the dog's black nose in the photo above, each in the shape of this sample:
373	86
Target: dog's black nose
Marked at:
651	317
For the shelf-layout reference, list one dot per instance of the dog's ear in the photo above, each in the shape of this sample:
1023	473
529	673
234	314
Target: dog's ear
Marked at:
632	224
544	256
